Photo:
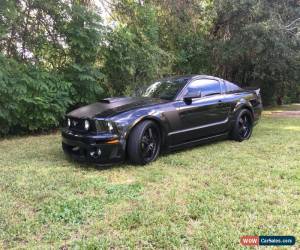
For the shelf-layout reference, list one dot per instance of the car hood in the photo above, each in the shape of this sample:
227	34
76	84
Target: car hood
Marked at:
112	106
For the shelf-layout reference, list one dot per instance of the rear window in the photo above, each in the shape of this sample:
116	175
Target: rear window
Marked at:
231	88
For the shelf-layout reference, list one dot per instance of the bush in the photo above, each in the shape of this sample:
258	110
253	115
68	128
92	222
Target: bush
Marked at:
32	99
84	38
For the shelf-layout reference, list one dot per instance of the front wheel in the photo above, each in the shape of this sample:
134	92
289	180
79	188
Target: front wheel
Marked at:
243	125
144	143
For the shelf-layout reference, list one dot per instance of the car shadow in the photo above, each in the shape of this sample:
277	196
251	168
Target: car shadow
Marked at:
191	147
126	163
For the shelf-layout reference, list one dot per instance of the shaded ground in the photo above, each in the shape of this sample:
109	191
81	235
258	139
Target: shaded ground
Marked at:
285	114
201	198
292	110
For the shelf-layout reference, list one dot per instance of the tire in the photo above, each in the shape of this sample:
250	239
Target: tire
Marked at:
144	143
243	126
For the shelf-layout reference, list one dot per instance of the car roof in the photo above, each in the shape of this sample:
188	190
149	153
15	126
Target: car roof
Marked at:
187	78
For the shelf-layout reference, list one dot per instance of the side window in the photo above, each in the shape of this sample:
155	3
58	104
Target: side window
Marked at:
206	86
231	88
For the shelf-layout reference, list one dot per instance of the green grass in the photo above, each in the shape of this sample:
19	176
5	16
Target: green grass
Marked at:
200	198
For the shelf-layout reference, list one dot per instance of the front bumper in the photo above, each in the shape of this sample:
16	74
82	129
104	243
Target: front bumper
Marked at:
100	149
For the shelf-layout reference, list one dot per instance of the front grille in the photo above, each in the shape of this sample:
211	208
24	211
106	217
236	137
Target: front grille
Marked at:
77	125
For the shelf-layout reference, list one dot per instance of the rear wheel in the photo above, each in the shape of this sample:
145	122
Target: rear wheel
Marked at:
144	143
243	125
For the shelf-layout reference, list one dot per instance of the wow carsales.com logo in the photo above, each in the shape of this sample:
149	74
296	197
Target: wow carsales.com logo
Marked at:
268	240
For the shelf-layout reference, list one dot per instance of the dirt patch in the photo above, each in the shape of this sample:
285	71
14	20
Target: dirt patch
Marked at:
285	114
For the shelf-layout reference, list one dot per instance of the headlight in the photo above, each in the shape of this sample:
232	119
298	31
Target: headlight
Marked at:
104	126
110	126
69	122
86	125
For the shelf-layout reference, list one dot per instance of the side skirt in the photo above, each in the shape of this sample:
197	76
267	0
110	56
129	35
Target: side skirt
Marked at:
199	141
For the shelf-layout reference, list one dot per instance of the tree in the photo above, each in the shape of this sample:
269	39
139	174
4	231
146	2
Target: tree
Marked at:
133	56
183	26
84	37
50	61
251	45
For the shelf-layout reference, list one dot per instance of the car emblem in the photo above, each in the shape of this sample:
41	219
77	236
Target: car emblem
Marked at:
75	123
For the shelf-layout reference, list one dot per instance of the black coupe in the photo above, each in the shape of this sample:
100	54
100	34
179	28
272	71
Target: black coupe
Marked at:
170	114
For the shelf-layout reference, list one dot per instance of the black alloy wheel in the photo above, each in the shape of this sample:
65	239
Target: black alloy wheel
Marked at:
244	126
242	129
144	142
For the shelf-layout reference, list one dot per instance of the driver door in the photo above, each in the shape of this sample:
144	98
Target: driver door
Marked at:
204	116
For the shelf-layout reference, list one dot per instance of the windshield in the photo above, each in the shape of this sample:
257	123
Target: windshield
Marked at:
166	89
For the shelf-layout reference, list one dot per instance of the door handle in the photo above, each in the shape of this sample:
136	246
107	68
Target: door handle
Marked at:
220	102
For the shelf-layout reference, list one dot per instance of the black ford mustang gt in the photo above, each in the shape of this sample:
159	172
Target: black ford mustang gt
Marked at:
170	114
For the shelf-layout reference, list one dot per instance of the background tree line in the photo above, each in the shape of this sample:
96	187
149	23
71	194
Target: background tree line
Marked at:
56	55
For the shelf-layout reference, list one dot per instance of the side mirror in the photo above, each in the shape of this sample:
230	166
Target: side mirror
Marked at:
189	97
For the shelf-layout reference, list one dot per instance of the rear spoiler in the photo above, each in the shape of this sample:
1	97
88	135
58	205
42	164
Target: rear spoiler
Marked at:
253	89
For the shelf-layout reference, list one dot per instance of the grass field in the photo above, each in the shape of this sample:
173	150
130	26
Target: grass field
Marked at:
200	198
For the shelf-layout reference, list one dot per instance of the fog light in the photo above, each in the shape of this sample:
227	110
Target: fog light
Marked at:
96	154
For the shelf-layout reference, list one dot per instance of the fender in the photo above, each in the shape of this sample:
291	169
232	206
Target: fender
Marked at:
243	104
147	117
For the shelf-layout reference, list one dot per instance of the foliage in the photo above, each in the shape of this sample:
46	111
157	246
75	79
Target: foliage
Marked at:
31	31
84	36
133	56
246	41
66	46
182	29
250	44
49	52
32	99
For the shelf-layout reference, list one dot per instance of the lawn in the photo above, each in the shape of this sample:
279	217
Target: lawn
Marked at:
200	198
